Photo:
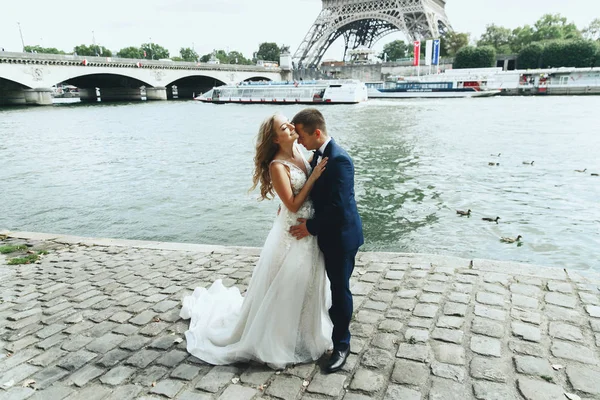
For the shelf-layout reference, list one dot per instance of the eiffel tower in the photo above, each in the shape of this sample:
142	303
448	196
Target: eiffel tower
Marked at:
363	22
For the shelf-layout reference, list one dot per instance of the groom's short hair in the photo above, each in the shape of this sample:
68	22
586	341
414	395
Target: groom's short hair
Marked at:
311	119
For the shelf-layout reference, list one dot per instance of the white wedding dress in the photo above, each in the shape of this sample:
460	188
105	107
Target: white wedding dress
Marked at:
283	318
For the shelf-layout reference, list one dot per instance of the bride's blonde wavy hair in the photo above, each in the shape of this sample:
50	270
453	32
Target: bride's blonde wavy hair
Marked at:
266	149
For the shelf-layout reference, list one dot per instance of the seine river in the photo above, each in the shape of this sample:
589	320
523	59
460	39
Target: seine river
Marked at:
180	171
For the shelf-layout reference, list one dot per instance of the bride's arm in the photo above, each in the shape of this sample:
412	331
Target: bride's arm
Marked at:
283	187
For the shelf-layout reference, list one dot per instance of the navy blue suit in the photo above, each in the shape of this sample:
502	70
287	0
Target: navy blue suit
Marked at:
338	228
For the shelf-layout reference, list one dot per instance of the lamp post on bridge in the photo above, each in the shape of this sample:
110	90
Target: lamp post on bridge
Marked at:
21	33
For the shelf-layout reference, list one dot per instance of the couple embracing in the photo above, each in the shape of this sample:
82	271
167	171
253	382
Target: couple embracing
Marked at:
298	304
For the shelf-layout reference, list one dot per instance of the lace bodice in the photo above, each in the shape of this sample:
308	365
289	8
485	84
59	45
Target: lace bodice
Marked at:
297	180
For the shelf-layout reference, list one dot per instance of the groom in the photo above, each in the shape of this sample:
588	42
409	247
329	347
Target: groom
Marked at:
336	224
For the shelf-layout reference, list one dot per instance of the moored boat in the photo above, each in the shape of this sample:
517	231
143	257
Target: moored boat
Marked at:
416	88
348	91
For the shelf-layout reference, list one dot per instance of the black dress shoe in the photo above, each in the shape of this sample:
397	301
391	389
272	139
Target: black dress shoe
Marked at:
337	360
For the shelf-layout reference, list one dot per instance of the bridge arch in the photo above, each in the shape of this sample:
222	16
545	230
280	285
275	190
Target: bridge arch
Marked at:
106	80
11	84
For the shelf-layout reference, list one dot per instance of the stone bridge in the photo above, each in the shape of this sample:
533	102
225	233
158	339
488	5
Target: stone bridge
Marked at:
28	78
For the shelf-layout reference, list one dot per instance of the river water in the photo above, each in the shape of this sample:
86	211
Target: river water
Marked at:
180	171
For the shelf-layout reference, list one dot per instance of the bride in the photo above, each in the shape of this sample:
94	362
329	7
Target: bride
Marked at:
283	317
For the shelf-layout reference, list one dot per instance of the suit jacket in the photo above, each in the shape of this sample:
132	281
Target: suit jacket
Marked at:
336	223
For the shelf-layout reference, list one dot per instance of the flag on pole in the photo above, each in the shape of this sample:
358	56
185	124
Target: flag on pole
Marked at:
144	53
417	52
428	52
436	52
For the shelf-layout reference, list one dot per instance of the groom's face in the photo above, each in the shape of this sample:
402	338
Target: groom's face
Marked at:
310	142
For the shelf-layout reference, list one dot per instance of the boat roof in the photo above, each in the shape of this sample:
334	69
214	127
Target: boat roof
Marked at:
319	82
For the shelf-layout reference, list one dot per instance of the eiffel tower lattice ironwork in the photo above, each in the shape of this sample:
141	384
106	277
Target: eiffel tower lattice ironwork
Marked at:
363	22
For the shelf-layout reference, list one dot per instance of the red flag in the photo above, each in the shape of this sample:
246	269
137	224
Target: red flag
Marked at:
417	52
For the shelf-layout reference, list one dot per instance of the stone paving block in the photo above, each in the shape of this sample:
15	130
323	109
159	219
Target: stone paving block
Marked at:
524	301
117	375
490	313
416	335
74	361
448	335
113	357
142	358
526	290
168	388
394	392
101	328
125	392
120	317
153	328
18	358
404	304
573	352
408	293
593	311
490	299
486	346
91	392
493	391
237	392
147	376
327	384
84	375
564	331
487	327
455	309
556	313
303	371
528	349
414	352
105	343
534	389
259	375
557	286
410	373
445	389
18	374
456	297
193	395
375	305
430	298
172	358
449	353
450	322
134	343
384	341
19	393
490	369
376	358
527	332
589	298
425	310
187	372
48	357
561	300
448	371
220	376
533	366
366	381
48	376
56	391
584	378
526	316
425	323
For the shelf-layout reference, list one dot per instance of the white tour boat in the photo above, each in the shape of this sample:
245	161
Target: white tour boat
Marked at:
347	91
434	86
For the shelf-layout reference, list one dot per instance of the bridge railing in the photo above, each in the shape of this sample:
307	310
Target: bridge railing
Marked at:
67	59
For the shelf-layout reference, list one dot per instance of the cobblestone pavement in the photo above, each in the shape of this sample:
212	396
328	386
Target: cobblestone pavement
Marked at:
99	319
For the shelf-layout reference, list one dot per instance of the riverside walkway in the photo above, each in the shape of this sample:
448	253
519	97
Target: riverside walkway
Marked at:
99	319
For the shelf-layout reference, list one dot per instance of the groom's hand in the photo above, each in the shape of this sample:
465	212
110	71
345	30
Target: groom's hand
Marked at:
300	231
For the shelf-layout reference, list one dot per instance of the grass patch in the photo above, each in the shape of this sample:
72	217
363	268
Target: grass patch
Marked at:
6	249
547	378
28	259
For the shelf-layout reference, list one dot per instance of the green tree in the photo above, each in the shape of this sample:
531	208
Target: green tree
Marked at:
497	37
130	52
554	26
574	53
154	51
42	50
475	57
521	37
177	58
530	56
92	50
188	54
235	57
394	50
268	51
205	58
452	42
592	32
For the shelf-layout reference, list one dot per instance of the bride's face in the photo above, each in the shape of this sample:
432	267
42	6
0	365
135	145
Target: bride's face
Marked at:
284	130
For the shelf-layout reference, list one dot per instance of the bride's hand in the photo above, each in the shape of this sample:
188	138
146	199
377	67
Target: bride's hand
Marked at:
319	168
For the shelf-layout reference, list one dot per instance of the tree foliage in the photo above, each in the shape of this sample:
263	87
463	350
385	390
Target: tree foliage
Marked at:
530	56
92	50
497	37
452	42
188	54
592	31
475	57
268	51
394	50
574	53
42	50
130	52
154	51
233	57
554	26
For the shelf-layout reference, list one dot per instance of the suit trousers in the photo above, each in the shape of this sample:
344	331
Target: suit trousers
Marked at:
339	266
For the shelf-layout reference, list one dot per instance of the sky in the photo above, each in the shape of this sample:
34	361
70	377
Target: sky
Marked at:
233	24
